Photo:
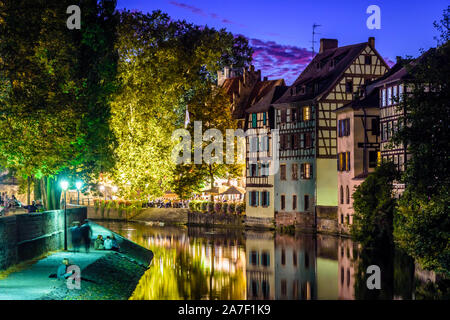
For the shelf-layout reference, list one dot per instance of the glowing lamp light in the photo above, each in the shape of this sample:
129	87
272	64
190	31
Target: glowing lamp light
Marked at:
114	189
78	184
64	185
102	188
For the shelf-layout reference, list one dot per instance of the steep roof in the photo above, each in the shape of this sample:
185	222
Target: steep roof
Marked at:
264	104
259	90
231	85
401	71
319	76
371	100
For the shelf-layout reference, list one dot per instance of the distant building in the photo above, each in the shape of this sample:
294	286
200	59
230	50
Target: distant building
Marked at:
260	185
358	146
244	87
307	183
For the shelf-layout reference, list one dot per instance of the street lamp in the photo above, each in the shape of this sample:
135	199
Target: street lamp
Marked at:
64	186
78	184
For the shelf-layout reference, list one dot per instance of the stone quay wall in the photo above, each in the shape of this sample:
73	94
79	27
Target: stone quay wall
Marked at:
27	236
214	219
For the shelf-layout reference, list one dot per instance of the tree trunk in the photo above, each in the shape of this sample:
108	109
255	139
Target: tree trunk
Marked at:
28	190
52	193
37	189
211	176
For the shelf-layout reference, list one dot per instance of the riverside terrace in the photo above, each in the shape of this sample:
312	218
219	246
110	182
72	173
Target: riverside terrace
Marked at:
30	251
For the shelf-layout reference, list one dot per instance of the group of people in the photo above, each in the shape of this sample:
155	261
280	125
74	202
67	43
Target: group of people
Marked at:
165	203
81	233
110	243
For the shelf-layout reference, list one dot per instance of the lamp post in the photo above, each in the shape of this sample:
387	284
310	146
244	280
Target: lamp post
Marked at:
78	184
64	186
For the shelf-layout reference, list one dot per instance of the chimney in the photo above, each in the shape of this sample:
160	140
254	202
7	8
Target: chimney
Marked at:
326	44
265	78
372	42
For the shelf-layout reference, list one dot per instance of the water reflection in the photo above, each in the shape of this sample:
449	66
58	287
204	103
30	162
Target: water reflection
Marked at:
200	263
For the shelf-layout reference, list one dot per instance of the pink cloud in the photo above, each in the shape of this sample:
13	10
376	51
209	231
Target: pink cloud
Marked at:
203	13
280	61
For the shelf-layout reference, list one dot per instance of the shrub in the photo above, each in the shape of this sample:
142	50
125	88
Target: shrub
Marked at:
231	208
225	208
192	206
240	208
218	208
204	206
210	207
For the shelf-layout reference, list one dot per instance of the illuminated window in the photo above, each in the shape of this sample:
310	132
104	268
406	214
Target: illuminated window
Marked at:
305	169
306	113
389	96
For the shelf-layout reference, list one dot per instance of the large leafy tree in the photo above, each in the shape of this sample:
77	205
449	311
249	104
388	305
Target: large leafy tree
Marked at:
423	224
164	65
55	89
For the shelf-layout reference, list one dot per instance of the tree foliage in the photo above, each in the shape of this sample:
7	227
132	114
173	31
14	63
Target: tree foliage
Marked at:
374	208
55	89
422	223
164	66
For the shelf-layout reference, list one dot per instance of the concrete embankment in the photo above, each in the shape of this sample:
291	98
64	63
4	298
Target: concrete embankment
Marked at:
172	216
106	275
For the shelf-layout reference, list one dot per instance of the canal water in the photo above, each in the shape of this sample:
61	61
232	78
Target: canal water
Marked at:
205	263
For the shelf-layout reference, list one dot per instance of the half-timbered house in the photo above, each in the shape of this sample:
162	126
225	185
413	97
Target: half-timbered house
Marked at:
307	179
259	157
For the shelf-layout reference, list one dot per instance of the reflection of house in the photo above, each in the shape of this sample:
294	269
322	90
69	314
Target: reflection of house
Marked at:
307	179
358	146
259	157
346	273
295	268
260	266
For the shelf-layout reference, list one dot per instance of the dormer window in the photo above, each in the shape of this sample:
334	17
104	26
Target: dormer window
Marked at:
300	89
332	63
318	65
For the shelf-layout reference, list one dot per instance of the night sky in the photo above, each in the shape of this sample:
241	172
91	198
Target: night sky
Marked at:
281	31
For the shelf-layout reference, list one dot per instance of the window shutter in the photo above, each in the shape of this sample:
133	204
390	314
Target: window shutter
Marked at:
257	198
311	170
264	118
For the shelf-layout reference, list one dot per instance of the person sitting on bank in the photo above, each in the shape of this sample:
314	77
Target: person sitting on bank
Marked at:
32	207
115	245
99	243
108	243
62	273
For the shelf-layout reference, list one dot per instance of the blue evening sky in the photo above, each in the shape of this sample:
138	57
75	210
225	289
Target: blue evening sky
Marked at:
280	31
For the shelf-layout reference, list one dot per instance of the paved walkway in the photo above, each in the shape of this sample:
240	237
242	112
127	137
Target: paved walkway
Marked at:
34	282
